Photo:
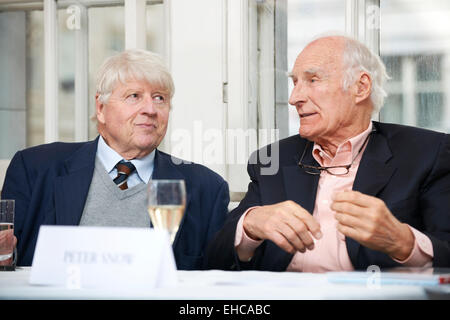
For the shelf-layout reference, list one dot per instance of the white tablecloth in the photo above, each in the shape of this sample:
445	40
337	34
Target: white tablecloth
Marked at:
214	284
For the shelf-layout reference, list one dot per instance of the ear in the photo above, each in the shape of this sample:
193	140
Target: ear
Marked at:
99	107
363	87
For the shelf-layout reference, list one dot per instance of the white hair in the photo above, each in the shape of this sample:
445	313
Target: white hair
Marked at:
132	64
357	57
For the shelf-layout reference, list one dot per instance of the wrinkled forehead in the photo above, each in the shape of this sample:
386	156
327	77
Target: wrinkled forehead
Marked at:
140	81
322	55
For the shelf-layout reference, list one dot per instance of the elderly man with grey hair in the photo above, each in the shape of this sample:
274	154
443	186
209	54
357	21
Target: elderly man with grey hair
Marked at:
350	192
104	182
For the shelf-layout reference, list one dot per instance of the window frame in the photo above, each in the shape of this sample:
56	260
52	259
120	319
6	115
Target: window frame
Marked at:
134	38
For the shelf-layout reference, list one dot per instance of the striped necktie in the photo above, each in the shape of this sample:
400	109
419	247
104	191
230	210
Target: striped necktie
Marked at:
124	169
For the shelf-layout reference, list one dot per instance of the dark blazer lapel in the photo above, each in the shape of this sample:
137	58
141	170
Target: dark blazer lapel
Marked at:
375	169
71	189
164	168
301	187
374	172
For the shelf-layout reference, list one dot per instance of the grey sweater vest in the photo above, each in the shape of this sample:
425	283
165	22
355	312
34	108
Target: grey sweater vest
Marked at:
107	205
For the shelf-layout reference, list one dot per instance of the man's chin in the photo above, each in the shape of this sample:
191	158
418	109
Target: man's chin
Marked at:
148	146
142	145
307	134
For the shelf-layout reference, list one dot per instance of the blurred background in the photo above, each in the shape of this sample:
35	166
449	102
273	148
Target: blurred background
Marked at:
414	43
229	60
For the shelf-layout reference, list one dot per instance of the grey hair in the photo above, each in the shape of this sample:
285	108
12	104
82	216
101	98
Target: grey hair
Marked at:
357	57
132	64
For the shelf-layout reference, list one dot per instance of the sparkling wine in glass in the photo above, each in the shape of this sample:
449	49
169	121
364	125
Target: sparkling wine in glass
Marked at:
166	204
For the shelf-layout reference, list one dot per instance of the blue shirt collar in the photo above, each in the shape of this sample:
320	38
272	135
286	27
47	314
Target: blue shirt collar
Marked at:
109	158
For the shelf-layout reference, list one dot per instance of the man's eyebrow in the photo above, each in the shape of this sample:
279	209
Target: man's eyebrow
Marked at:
127	91
309	72
132	88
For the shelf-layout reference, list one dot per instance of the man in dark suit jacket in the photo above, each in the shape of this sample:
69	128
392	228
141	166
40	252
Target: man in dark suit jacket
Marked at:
349	193
51	183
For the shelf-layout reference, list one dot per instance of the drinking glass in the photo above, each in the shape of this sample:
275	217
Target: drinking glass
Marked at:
6	234
166	204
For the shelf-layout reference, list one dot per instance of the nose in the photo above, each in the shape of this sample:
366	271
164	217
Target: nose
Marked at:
148	106
298	94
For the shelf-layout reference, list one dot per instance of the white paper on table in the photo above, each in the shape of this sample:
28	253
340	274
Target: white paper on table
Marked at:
103	257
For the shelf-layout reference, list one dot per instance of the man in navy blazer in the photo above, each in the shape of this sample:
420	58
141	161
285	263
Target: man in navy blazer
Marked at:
51	183
349	192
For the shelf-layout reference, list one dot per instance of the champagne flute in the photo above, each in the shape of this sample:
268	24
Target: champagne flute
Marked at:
166	204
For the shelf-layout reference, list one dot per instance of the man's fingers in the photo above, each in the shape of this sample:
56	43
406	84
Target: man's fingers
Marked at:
307	240
348	208
292	237
348	231
287	224
302	232
308	220
283	243
356	198
350	221
7	241
7	238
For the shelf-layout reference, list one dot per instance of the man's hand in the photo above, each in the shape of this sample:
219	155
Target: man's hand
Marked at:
367	220
7	244
286	223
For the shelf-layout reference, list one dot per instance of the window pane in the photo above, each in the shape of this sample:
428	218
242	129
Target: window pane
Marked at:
308	18
106	37
66	74
429	67
429	109
22	62
393	109
415	45
155	29
35	78
12	83
393	67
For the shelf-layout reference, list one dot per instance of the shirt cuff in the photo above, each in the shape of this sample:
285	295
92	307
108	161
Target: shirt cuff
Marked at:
422	253
245	246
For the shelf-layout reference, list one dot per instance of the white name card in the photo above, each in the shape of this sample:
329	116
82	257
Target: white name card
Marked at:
101	257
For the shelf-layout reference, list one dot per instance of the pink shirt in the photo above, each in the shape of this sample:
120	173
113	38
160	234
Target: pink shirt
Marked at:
330	252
